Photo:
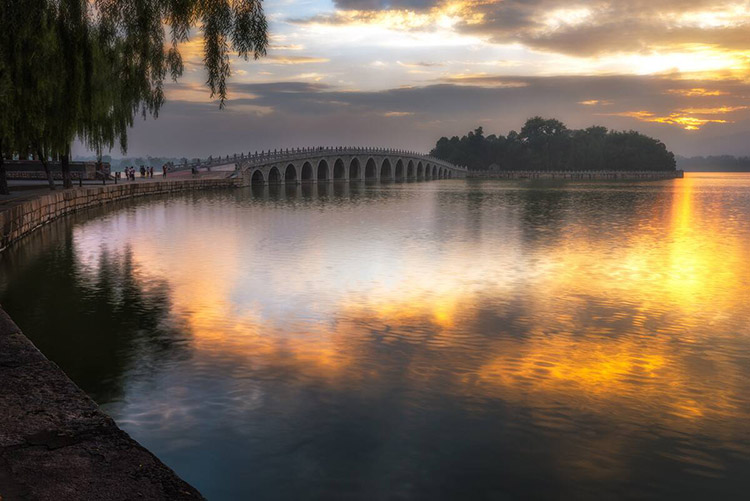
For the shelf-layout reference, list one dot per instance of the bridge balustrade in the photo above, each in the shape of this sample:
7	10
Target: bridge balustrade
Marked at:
264	157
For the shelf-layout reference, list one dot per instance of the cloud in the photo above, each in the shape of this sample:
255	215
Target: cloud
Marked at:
313	113
484	80
696	92
687	122
287	47
273	59
595	102
585	28
420	64
713	111
597	27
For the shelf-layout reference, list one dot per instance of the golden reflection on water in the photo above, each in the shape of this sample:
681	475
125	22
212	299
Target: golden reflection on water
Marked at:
640	324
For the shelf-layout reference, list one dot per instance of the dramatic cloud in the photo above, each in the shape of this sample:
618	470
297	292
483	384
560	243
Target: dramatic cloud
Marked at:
580	28
279	115
403	73
274	59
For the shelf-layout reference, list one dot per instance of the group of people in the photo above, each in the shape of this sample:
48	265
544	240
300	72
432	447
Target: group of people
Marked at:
146	172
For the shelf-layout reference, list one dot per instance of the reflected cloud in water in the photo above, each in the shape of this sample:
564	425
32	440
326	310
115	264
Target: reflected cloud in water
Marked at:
410	339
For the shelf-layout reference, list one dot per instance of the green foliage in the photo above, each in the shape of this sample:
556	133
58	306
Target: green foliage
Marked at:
547	144
86	68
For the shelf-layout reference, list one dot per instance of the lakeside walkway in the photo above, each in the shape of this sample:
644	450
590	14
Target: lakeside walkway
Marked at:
25	190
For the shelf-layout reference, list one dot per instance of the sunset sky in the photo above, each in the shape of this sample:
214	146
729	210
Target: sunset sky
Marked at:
404	73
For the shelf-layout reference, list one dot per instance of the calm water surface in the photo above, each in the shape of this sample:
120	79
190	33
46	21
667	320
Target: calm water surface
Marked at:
438	340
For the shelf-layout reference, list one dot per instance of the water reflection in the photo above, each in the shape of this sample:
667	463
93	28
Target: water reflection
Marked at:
442	340
96	319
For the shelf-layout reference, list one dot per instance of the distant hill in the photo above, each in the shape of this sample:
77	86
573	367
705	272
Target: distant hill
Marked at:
547	144
714	163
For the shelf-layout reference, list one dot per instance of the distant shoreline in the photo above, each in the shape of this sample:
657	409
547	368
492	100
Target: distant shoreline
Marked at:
563	174
730	171
714	163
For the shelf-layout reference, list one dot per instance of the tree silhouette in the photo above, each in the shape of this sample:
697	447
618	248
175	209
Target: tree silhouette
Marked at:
547	144
79	68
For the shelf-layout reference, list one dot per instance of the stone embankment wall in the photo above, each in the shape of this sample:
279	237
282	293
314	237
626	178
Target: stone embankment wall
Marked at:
25	217
603	174
55	443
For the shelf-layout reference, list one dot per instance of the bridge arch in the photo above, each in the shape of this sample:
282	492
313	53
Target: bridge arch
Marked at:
274	176
354	168
385	170
307	172
257	177
327	164
371	169
399	174
339	171
290	174
323	171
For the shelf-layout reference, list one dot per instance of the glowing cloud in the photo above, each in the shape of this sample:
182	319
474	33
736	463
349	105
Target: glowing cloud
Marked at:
595	102
696	92
685	121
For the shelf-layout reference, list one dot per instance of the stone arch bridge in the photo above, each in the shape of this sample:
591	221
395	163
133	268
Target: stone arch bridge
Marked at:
316	165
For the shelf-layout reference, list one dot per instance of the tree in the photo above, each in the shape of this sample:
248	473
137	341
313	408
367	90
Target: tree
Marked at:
544	144
28	47
105	62
5	117
547	140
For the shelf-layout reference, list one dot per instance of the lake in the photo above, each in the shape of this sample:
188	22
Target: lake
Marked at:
426	340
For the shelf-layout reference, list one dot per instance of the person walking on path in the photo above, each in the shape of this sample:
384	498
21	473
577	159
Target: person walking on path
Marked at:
151	172
164	170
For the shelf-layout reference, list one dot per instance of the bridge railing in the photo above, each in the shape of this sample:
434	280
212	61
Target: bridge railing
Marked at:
264	157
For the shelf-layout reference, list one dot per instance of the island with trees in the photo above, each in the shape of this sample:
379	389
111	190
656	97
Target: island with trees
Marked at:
548	145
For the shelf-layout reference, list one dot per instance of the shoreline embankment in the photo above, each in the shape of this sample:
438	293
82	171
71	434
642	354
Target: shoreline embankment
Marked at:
581	175
55	442
26	216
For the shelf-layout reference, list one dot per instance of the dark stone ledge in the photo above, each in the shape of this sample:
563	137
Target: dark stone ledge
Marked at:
55	442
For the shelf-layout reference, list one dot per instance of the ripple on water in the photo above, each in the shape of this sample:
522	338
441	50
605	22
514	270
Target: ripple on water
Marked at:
431	340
